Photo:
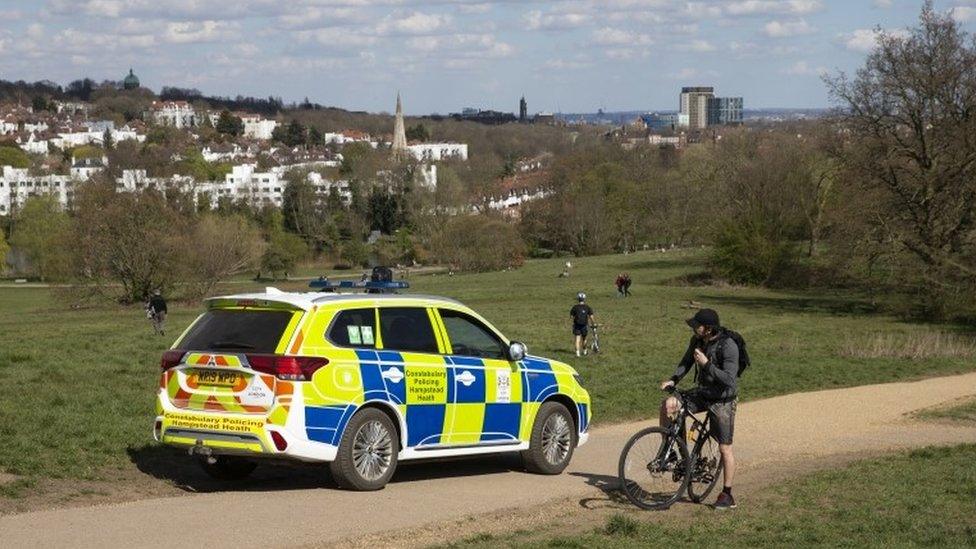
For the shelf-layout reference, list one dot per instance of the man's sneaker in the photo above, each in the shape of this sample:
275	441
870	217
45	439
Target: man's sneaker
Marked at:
585	352
724	501
577	353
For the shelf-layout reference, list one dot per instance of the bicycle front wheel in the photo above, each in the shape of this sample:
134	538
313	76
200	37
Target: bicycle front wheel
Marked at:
654	469
706	470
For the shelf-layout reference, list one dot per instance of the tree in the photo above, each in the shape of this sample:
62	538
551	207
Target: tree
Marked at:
479	243
418	133
107	141
221	247
293	134
911	114
283	251
41	230
40	103
229	124
4	250
14	157
305	213
135	240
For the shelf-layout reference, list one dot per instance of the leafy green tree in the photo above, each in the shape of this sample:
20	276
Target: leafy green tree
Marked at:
40	103
4	250
292	135
13	156
283	252
41	230
418	133
107	140
228	124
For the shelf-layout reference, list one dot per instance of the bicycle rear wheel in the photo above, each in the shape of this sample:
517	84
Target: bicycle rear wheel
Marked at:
706	471
654	469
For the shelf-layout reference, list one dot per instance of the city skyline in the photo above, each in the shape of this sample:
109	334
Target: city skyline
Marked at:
566	56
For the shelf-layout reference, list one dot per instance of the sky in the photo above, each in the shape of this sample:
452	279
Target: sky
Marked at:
563	55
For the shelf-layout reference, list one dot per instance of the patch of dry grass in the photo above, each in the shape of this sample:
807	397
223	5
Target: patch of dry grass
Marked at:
917	345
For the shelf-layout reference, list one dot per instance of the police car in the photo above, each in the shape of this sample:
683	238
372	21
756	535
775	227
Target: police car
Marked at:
361	381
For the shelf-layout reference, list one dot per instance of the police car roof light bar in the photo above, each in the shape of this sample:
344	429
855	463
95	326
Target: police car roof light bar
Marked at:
324	284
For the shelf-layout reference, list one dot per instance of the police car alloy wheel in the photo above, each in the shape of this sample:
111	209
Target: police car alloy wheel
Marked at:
367	456
553	440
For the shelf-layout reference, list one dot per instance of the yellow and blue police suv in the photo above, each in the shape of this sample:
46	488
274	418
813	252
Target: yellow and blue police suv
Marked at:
361	381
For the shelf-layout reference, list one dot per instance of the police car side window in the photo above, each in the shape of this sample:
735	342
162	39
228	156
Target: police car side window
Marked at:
407	329
469	337
354	328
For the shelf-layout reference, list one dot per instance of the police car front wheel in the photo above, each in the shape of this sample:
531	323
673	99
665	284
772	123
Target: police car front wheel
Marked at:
367	456
553	440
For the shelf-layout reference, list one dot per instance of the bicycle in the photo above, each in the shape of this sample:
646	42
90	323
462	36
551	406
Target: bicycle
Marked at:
594	343
656	467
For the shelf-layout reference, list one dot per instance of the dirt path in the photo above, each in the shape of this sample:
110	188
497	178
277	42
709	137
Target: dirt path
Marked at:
804	428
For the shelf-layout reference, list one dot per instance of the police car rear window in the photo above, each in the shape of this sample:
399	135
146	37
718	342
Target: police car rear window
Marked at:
354	328
233	330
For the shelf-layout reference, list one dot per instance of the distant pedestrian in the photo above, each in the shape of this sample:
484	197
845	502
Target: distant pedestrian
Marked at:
623	285
156	311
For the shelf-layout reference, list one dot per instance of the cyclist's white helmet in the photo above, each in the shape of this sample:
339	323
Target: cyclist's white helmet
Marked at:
581	296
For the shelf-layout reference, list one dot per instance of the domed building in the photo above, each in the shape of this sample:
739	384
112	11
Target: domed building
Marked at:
131	81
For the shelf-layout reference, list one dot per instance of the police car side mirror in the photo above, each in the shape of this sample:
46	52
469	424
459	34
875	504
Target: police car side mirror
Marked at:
517	351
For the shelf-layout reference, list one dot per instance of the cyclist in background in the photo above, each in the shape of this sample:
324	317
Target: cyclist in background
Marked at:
582	316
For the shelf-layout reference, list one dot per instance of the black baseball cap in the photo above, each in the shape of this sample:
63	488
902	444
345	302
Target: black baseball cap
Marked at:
704	317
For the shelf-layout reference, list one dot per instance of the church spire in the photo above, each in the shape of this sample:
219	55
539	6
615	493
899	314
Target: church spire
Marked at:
399	133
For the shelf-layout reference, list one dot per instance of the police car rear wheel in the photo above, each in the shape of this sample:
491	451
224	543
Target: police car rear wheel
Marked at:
227	467
367	455
553	440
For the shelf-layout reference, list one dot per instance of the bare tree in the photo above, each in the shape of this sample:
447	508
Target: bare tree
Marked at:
911	114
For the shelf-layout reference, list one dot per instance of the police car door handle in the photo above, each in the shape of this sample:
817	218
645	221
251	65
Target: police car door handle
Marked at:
465	378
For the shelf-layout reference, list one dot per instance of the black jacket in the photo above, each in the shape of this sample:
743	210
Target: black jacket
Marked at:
157	304
718	379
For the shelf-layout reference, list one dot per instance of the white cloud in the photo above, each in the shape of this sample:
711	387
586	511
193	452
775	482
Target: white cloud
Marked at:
865	40
536	20
414	23
700	46
608	36
764	7
462	45
567	64
964	14
802	68
883	4
785	29
188	32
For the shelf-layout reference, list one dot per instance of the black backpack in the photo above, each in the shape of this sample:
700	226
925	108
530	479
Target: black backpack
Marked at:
740	342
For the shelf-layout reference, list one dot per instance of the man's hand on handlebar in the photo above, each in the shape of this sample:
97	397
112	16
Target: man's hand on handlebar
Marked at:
667	385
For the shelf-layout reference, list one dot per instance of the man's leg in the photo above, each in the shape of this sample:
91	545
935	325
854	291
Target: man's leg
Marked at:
578	342
728	464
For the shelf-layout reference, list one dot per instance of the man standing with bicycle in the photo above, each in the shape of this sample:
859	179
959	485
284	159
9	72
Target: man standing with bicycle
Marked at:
715	357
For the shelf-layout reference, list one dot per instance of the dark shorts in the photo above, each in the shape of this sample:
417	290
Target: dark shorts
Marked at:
721	415
579	329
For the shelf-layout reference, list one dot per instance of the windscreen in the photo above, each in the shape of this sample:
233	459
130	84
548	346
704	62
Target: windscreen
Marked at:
232	330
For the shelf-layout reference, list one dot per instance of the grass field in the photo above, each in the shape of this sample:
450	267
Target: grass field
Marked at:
77	386
964	412
925	498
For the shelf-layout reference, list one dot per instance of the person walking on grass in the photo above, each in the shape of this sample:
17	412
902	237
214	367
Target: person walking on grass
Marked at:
715	357
623	285
156	311
582	316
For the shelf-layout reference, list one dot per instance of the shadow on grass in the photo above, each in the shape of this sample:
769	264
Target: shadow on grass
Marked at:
609	485
661	263
173	465
828	305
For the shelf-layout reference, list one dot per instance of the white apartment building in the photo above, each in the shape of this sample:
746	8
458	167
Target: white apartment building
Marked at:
516	198
256	127
17	185
178	114
83	169
433	152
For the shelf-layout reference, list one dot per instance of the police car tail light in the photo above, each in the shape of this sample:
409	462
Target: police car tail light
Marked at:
289	368
171	359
